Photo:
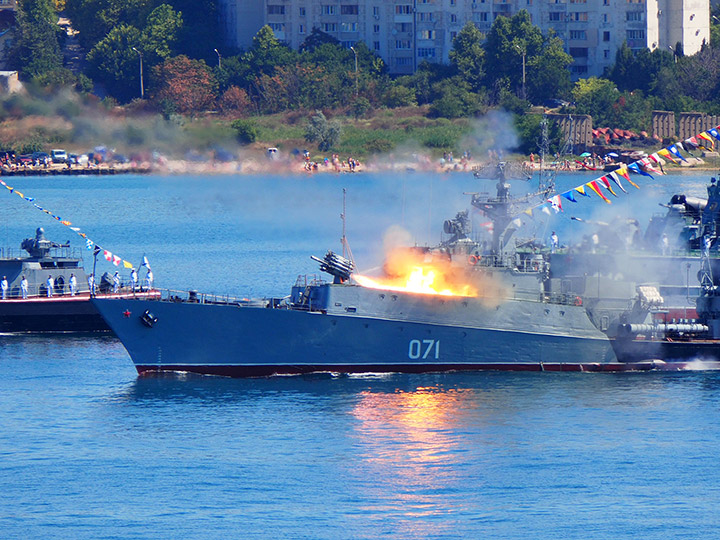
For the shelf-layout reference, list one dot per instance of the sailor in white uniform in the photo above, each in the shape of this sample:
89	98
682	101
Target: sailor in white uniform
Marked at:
149	279
4	287
24	287
134	278
116	282
73	284
50	284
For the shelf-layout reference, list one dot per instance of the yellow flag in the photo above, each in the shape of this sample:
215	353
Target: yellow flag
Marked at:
127	264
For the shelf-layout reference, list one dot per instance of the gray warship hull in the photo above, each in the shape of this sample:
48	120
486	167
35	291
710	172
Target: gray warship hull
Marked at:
360	330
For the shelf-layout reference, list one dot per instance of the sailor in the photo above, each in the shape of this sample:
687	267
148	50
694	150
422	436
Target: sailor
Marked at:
91	283
149	279
24	287
665	244
73	284
50	284
134	278
116	282
4	287
554	242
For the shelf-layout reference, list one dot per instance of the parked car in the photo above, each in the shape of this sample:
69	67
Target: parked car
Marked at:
25	159
58	156
40	158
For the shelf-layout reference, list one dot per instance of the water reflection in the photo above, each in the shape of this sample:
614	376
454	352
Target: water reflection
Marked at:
412	455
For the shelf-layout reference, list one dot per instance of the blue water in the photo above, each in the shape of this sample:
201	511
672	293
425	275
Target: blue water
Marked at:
89	450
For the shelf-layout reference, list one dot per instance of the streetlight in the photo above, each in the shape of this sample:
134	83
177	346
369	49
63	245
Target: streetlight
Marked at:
674	53
356	71
218	53
142	87
523	52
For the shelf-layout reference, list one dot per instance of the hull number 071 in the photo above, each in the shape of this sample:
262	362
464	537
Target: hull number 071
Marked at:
426	348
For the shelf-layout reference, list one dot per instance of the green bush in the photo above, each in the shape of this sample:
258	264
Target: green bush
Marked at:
246	131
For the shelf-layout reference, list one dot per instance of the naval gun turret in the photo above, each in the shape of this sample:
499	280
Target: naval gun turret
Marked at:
40	246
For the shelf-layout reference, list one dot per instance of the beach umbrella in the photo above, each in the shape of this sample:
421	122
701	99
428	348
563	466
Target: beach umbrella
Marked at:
585	154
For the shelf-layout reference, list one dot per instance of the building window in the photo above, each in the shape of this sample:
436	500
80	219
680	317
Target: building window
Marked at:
426	17
636	34
301	29
427	34
606	53
579	69
276	10
578	34
403	10
634	16
376	45
453	35
348	27
277	27
555	16
349	10
347	44
578	52
481	16
376	28
578	1
329	10
402	43
329	27
605	17
403	61
606	2
579	16
404	27
606	36
426	52
302	11
453	18
376	11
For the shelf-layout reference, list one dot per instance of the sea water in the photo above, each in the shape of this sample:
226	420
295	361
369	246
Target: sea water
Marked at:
89	450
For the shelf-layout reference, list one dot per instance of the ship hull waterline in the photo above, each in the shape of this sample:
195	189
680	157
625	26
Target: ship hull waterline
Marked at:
247	341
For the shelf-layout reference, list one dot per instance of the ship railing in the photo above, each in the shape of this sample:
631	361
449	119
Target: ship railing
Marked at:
195	297
65	252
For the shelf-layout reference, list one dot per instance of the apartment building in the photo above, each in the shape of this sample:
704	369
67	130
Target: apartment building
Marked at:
406	32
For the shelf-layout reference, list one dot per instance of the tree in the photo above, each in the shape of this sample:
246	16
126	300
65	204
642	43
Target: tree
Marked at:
548	75
319	130
95	19
235	102
188	85
315	39
511	38
455	100
36	50
267	53
161	33
596	97
468	55
114	64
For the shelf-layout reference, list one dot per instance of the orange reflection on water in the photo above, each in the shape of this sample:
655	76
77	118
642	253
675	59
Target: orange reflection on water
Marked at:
410	445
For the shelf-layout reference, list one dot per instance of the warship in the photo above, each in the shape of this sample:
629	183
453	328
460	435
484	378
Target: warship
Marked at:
500	303
61	309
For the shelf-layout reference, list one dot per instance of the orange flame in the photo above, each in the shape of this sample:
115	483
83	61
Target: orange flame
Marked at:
406	271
